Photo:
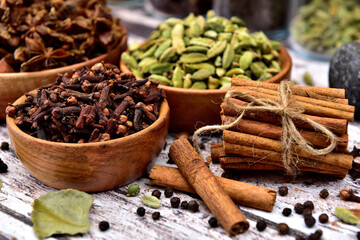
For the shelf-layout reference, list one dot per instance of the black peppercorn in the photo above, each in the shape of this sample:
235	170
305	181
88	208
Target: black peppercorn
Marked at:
358	235
103	226
261	225
283	228
168	192
140	211
286	212
184	205
309	204
324	193
309	221
3	167
307	212
5	146
193	206
155	215
175	202
323	218
213	222
156	193
300	238
299	208
316	235
283	191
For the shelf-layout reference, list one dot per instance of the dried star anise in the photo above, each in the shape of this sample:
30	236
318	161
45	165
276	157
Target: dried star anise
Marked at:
43	34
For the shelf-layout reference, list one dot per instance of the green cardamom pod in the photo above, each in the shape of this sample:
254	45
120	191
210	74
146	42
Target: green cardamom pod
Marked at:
177	35
211	34
150	52
199	49
145	68
202	74
213	83
160	68
161	79
246	59
167	55
256	69
187	81
193	58
220	72
199	85
194	29
225	36
129	61
133	190
151	201
234	71
177	77
346	216
162	47
205	42
216	49
228	56
202	65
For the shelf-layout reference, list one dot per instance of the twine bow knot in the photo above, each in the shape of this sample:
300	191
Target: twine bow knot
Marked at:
289	111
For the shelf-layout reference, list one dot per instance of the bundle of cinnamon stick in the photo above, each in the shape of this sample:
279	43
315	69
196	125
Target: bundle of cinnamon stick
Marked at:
255	142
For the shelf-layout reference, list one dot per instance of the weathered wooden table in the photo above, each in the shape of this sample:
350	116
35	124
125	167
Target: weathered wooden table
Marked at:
20	189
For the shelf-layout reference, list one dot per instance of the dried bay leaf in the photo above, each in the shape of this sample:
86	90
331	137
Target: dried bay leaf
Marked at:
61	212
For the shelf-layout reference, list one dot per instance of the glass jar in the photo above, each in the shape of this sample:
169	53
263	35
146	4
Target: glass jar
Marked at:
270	16
176	8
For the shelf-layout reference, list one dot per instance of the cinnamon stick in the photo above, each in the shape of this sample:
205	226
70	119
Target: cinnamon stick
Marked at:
259	166
330	93
335	125
315	101
242	143
275	132
303	163
309	108
200	178
216	150
241	193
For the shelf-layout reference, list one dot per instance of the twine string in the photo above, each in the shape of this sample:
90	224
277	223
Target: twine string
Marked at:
288	110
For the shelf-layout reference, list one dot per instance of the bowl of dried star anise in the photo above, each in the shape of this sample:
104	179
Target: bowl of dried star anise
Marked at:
96	138
41	39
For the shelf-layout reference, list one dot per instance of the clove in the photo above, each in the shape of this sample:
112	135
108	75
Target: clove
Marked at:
349	195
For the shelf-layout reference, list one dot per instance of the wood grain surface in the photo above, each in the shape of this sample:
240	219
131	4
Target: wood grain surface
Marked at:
20	189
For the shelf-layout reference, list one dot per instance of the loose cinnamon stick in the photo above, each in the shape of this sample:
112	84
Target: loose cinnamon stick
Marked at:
331	93
216	149
338	126
241	193
275	132
308	108
265	147
200	178
319	102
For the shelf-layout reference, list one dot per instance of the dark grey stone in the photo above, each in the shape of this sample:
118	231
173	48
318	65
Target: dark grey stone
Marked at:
345	73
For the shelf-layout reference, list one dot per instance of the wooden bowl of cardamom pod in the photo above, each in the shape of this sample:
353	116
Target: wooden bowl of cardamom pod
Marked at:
13	85
195	108
90	167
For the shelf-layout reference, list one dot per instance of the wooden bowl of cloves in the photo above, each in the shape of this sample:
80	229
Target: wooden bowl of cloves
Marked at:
92	140
49	40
